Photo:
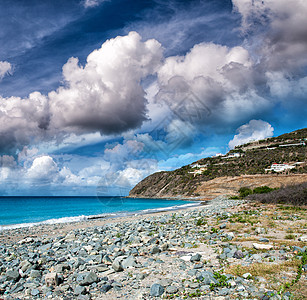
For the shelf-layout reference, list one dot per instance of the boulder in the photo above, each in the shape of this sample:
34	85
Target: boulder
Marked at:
156	290
51	279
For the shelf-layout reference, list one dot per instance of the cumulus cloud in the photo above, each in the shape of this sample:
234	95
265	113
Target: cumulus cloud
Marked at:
22	121
252	131
106	95
5	68
44	169
211	85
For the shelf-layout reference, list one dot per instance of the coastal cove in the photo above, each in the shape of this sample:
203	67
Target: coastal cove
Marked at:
28	211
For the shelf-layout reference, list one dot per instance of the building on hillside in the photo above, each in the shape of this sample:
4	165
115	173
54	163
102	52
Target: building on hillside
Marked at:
279	167
232	155
196	166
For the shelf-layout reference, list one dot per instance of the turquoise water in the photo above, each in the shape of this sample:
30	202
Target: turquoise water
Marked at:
26	211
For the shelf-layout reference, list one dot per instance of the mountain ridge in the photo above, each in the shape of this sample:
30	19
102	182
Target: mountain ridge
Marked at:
274	162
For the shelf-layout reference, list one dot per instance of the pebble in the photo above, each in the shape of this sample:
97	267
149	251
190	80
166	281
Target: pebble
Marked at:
134	259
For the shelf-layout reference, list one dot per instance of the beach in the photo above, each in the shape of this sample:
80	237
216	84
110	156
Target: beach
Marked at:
223	250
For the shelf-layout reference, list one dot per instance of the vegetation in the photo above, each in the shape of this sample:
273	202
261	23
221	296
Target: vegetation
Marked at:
245	191
294	195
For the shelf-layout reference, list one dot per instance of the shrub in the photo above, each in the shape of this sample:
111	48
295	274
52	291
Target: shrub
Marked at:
291	194
262	190
244	192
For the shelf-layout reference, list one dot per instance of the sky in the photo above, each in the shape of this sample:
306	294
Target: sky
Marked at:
95	95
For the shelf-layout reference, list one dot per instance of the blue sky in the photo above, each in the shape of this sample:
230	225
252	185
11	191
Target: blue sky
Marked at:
97	94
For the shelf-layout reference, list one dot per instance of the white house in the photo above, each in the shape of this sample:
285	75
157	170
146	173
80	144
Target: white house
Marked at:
280	167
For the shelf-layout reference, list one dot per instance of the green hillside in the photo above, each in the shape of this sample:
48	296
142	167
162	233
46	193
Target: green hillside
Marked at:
249	159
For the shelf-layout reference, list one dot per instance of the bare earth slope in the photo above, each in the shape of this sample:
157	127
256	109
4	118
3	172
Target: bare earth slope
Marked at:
157	185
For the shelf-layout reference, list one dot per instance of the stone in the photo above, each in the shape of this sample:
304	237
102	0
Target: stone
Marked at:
25	265
238	254
107	260
259	230
12	275
51	279
165	246
165	282
303	238
130	261
90	278
156	290
195	257
105	288
171	289
155	250
35	274
117	264
198	265
247	275
35	292
80	290
263	240
222	226
207	277
262	246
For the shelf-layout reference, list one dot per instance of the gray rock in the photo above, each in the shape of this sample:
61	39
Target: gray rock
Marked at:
238	254
105	288
35	274
263	240
156	290
195	257
155	250
90	278
207	277
117	264
171	289
165	282
35	292
130	261
140	276
25	265
224	292
198	265
12	275
80	290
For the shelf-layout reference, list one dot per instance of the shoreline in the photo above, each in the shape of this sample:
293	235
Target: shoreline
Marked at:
106	216
42	228
161	255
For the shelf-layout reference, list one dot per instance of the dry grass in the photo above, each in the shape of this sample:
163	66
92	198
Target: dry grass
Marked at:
264	269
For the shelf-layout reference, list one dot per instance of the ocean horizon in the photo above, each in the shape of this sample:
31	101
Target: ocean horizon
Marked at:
25	211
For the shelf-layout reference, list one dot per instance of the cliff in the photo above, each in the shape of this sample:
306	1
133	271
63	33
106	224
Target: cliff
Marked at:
246	165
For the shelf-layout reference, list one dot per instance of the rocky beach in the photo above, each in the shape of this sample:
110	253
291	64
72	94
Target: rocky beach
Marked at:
226	249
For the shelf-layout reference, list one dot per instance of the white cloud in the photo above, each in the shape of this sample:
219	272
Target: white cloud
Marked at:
283	41
105	95
210	85
5	68
43	169
252	131
22	121
92	3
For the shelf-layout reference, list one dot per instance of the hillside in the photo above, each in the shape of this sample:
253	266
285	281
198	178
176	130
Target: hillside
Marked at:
278	157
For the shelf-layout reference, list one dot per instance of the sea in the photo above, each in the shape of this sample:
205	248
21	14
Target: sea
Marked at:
18	212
